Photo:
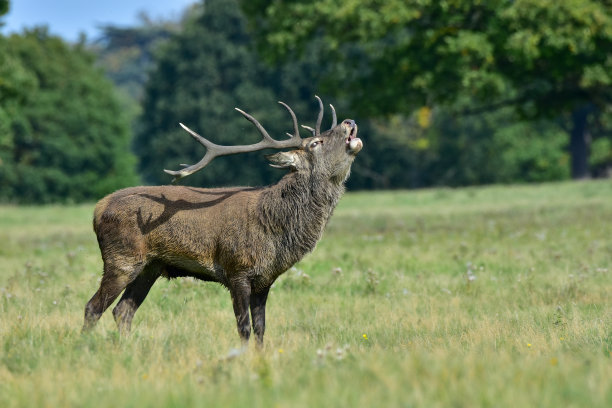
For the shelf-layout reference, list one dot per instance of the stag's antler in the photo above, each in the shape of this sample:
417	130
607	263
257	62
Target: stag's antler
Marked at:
214	150
317	131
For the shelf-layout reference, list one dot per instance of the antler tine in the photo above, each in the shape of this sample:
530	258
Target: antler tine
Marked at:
210	147
334	117
319	118
296	129
204	142
311	130
256	123
214	150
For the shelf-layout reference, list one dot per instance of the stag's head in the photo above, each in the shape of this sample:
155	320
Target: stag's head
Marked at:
327	155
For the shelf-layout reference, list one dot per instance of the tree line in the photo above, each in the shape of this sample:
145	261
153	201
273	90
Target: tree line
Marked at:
445	93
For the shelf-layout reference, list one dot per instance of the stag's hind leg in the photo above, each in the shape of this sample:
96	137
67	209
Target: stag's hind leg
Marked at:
134	295
114	280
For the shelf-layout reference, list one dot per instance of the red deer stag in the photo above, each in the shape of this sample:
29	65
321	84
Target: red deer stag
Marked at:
241	237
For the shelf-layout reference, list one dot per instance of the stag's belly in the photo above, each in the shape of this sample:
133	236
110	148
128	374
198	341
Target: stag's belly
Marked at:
175	268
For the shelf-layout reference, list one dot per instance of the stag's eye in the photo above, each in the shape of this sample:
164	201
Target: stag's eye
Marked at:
315	143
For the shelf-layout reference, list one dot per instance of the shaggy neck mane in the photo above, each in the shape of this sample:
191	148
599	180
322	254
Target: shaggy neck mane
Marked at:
297	208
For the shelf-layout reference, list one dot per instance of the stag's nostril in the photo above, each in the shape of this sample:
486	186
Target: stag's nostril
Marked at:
350	122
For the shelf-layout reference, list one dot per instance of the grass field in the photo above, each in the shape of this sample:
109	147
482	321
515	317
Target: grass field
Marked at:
496	296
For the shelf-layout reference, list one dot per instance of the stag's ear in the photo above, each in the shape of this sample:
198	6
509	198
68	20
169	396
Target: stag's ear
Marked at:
284	160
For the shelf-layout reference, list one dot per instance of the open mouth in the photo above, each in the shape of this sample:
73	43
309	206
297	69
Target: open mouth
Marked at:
351	128
352	134
353	143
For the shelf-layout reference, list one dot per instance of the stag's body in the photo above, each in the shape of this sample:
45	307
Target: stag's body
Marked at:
243	238
262	234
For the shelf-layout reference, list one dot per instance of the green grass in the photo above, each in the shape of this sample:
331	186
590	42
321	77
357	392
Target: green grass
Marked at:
381	314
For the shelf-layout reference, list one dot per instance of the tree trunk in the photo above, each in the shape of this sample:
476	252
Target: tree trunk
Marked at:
579	140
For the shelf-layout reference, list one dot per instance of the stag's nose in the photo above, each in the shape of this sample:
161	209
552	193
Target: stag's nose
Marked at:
350	123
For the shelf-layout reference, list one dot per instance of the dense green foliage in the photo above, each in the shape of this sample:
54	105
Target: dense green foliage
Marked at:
544	58
63	136
455	150
425	51
477	297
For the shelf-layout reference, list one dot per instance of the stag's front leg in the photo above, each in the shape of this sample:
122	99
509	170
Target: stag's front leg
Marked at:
240	289
258	314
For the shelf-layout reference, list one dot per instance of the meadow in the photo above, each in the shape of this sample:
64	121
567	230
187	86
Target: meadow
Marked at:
492	296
